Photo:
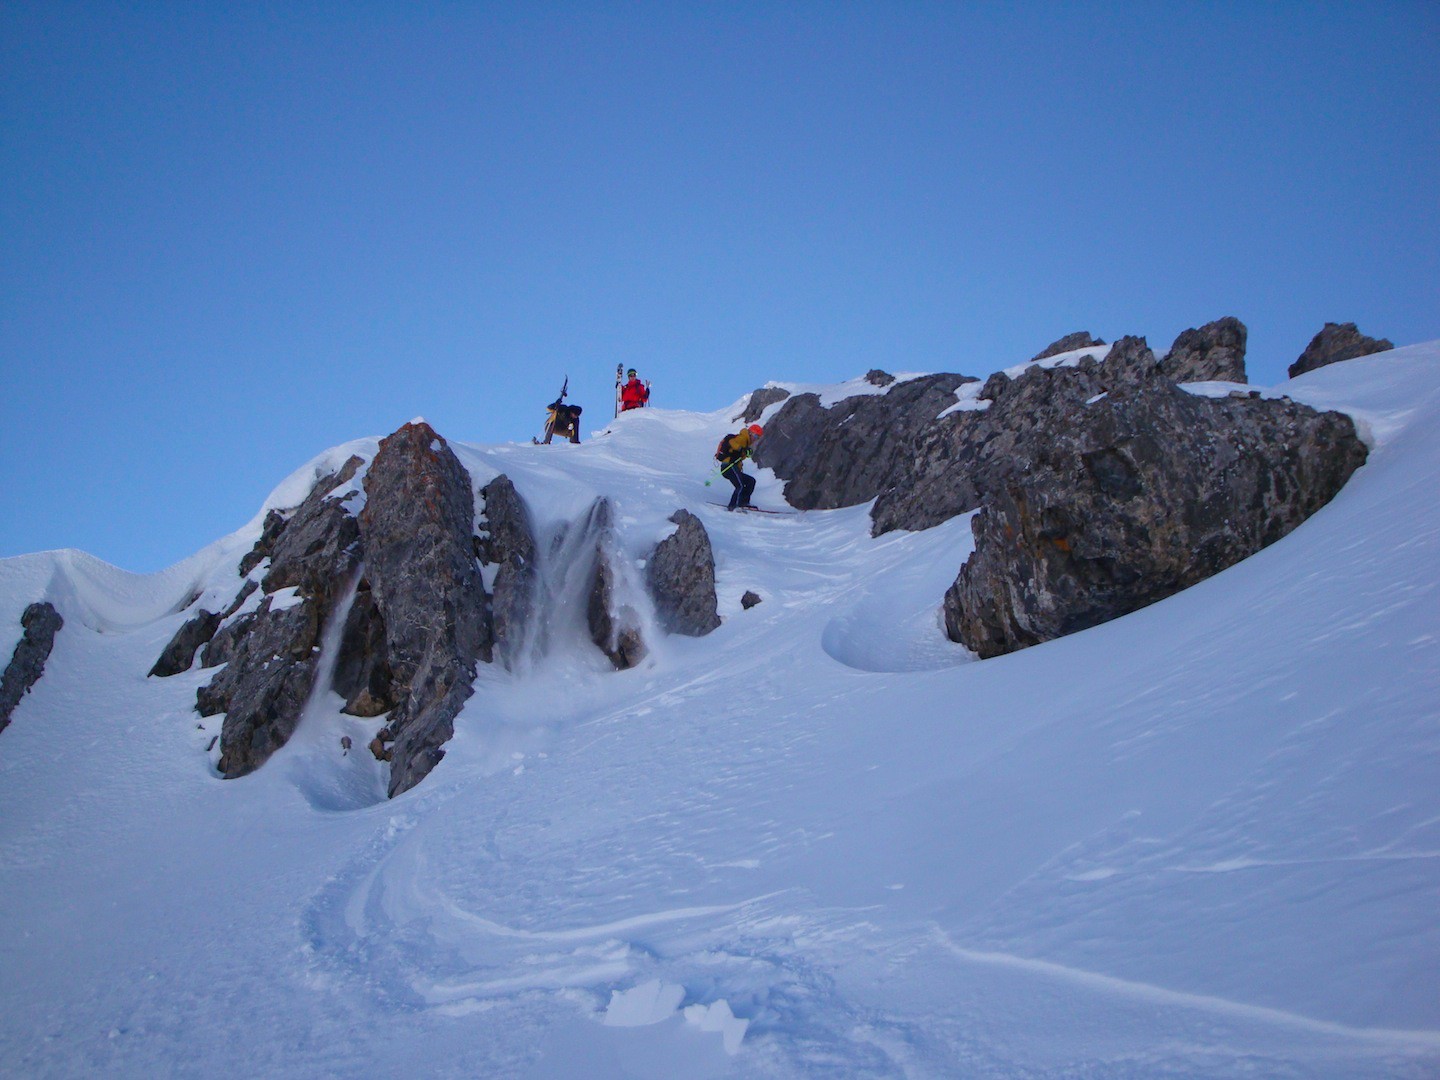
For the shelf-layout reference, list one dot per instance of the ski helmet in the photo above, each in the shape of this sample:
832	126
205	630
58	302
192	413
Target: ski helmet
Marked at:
631	373
756	430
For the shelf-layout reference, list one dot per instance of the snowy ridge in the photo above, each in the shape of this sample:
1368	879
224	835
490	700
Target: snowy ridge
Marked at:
1203	839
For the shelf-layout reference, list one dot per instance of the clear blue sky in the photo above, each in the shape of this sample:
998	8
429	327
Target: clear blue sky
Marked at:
233	235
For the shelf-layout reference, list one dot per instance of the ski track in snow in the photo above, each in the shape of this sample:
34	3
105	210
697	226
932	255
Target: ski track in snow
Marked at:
1200	840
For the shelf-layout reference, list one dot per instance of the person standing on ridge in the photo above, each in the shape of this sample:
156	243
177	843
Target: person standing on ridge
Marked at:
731	453
634	394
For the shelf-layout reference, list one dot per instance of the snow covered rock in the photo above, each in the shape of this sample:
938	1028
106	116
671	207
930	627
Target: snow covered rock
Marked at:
761	400
509	544
419	552
614	624
179	655
1213	353
1120	501
270	654
41	622
680	574
1081	339
855	450
1336	342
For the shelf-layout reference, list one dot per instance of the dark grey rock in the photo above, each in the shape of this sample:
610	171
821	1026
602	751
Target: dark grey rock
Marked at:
419	551
362	669
614	625
263	689
749	600
39	623
509	543
1124	501
855	450
179	655
1213	353
1129	361
1081	339
316	550
680	575
270	531
225	643
1337	342
269	655
761	400
876	377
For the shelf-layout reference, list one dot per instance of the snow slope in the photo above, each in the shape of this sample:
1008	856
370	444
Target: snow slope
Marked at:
1201	840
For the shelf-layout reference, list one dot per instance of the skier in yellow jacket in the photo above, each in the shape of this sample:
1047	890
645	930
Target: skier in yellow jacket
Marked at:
731	453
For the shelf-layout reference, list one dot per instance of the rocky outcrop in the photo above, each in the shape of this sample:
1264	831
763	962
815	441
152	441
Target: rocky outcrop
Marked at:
270	654
1336	342
680	575
419	551
761	400
39	624
1081	339
876	377
508	543
1213	353
856	449
1117	502
614	624
179	655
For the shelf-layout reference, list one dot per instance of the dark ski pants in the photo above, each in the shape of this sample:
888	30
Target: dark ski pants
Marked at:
744	486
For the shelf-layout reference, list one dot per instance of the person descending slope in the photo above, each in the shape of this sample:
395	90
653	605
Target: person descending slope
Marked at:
731	453
634	394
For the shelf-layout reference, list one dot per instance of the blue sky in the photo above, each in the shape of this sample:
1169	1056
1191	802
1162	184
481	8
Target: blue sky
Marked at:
232	236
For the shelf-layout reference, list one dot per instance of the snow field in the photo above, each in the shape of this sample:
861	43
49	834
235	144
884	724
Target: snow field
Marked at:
1201	840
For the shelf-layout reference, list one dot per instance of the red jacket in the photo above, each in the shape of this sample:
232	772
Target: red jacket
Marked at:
633	395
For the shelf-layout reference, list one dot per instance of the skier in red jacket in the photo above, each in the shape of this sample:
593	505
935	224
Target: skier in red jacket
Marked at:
634	394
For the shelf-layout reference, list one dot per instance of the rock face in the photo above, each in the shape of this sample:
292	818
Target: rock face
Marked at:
404	577
419	551
855	450
1213	353
680	575
614	625
40	623
1336	342
1081	339
179	655
270	654
761	400
509	543
1116	503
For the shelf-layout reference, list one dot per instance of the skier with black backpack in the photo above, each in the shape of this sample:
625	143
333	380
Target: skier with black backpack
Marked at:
731	453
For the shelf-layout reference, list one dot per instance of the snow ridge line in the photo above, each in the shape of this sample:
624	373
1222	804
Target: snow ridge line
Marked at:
1159	995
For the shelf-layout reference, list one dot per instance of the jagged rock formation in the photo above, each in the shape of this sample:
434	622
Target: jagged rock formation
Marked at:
1213	353
855	450
1336	342
40	623
270	654
614	625
179	655
1115	503
509	544
876	377
680	575
418	617
419	552
1081	339
761	400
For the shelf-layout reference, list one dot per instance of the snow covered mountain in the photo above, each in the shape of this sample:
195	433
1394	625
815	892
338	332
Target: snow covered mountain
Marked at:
1200	840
